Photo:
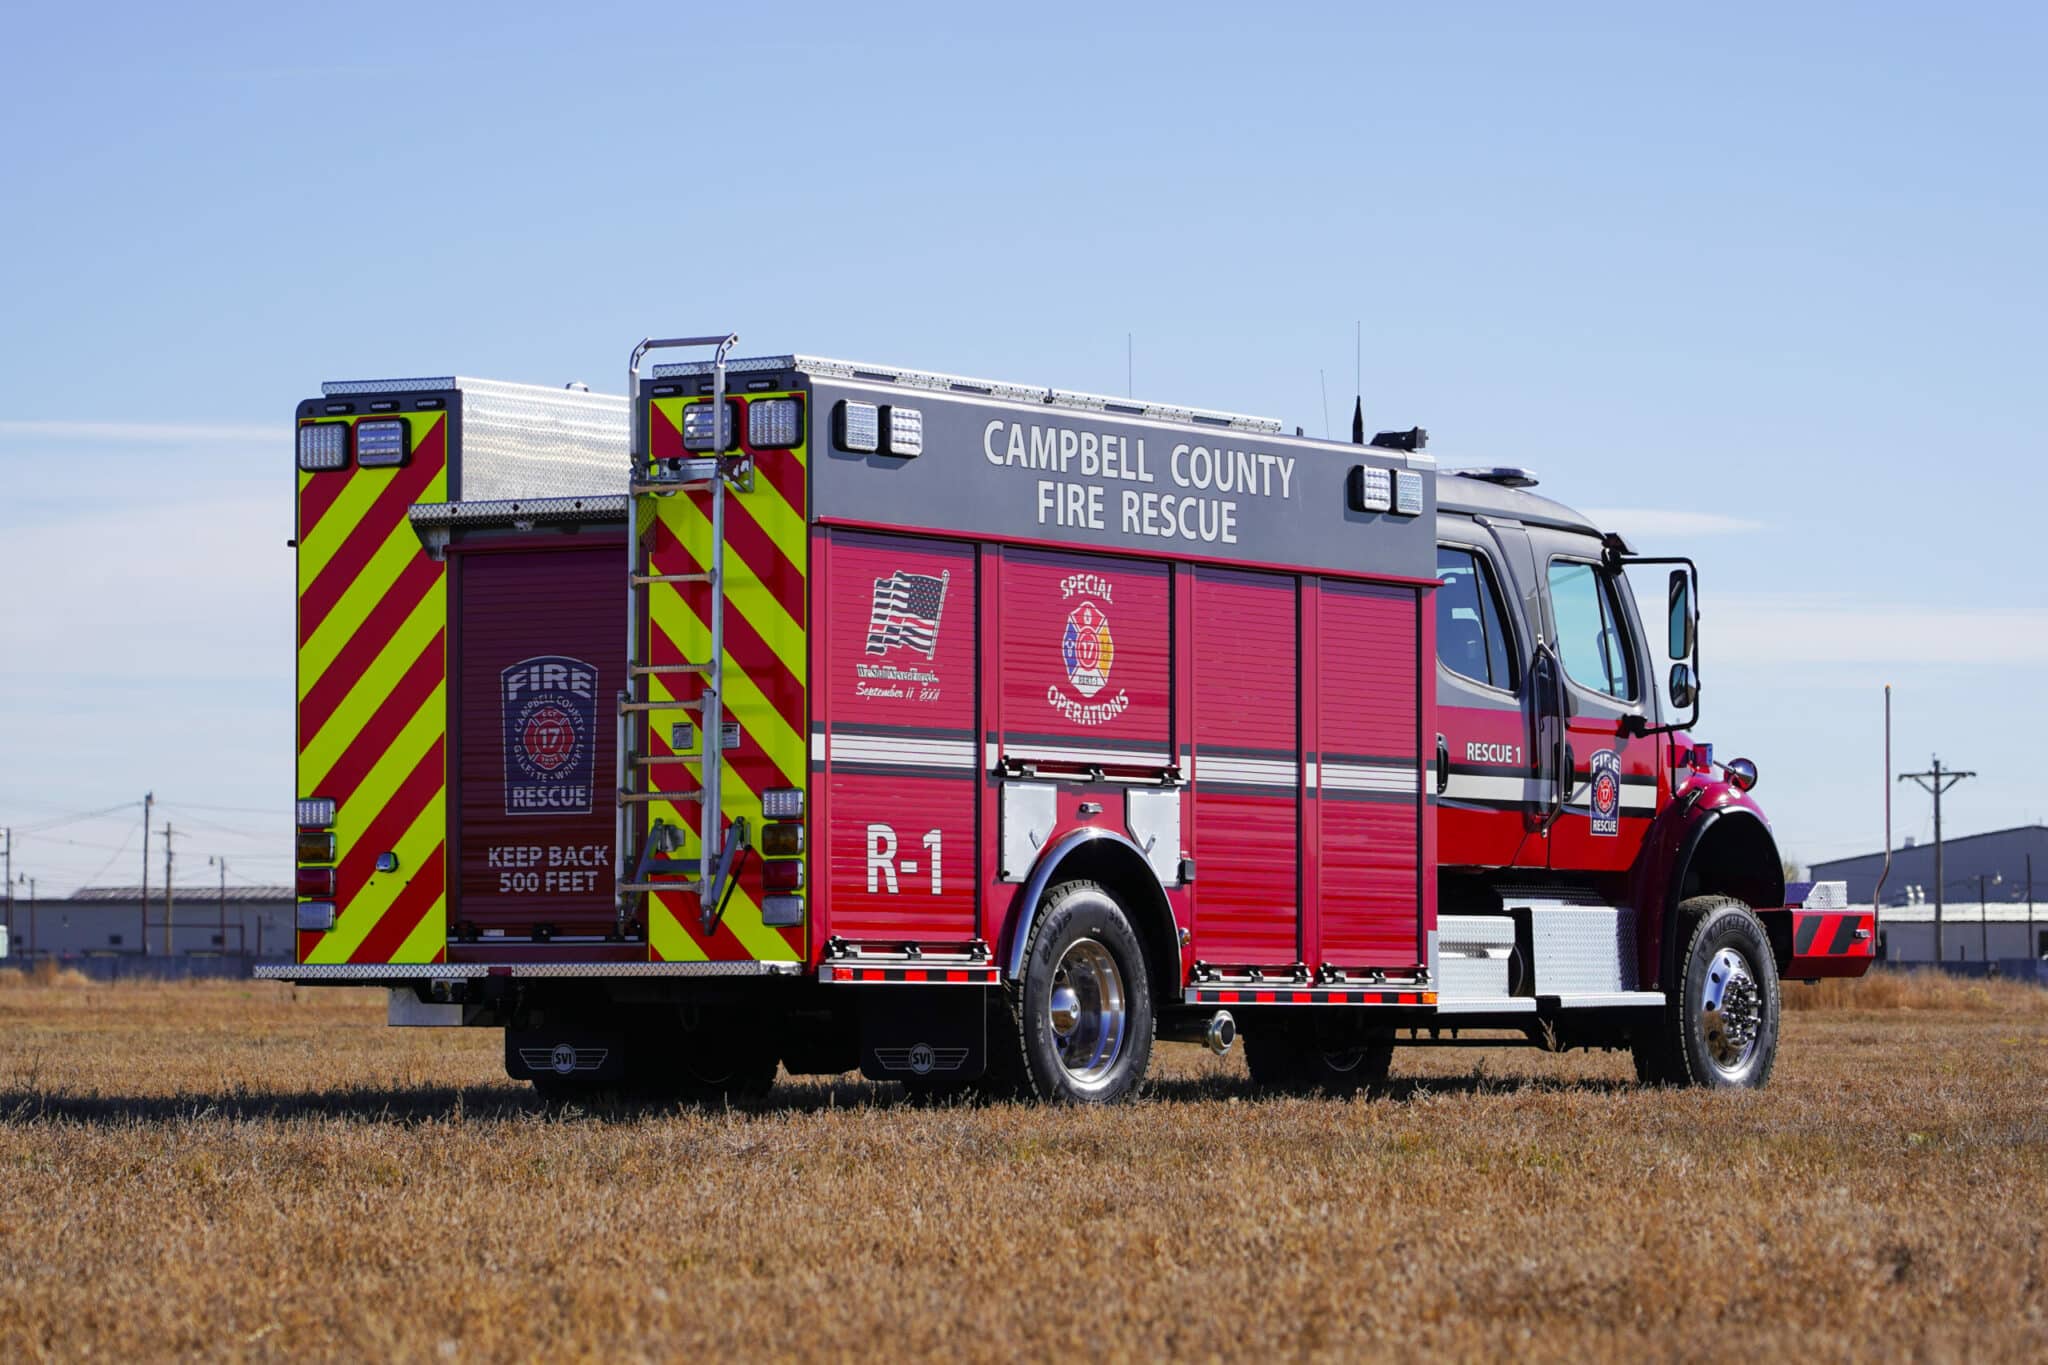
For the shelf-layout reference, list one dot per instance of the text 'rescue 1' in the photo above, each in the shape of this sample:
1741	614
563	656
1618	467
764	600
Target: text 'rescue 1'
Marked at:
1202	514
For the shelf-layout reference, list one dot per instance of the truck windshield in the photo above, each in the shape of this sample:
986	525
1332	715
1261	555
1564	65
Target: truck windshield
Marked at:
1590	638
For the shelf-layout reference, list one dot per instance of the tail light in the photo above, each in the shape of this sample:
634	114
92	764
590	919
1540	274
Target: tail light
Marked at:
316	916
784	875
316	881
315	846
782	840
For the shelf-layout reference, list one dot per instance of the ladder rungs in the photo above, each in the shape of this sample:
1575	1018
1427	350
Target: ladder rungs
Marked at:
674	798
656	670
641	580
669	758
692	887
693	704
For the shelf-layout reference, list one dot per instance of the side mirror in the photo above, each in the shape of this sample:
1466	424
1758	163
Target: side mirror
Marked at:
1683	627
1684	688
1741	773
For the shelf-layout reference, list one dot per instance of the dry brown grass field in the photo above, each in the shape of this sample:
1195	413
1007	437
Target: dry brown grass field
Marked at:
249	1171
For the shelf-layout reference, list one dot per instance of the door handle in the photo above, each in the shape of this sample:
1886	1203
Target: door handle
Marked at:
1443	765
1567	774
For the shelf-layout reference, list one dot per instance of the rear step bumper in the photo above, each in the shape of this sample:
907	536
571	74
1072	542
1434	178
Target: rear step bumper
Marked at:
448	971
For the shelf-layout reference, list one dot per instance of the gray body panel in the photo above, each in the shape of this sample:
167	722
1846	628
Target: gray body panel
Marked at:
1010	470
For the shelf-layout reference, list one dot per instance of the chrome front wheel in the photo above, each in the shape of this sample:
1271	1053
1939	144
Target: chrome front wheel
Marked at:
1730	1012
1088	1013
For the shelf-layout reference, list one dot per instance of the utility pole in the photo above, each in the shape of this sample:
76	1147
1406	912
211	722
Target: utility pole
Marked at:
31	914
167	888
1935	782
142	939
8	854
2033	950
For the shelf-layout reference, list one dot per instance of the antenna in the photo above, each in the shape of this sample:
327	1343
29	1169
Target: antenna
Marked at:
1324	380
1130	367
1358	383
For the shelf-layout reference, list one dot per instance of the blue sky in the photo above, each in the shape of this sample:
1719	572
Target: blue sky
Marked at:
1764	286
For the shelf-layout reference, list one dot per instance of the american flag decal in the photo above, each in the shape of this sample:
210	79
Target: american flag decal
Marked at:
906	612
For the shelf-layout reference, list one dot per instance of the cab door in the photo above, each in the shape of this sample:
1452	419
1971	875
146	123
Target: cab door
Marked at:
1485	771
1607	791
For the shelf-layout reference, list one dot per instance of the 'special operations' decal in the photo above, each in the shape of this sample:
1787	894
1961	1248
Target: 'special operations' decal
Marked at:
549	707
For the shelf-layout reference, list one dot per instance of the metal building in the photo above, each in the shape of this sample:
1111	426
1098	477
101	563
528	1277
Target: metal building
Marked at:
102	921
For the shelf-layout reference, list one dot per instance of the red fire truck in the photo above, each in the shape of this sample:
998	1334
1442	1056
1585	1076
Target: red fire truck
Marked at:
810	715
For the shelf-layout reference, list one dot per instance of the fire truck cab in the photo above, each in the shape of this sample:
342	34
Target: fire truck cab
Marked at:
796	714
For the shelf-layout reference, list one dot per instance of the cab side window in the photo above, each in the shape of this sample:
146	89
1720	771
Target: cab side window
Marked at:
1471	629
1590	632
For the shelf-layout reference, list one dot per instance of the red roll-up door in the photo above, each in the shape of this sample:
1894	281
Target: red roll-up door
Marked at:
1369	777
540	645
1247	768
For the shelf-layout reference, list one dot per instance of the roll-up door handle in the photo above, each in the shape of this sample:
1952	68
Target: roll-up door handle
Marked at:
1443	765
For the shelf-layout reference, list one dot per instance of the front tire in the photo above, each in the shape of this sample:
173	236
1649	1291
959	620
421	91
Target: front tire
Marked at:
1080	1020
1719	1029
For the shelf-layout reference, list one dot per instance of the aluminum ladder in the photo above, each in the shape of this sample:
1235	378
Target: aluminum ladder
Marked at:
641	868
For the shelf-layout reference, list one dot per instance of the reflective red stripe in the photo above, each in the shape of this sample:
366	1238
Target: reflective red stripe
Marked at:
362	649
384	725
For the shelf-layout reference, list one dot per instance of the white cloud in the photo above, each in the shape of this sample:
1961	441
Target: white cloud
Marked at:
152	433
1655	523
1789	631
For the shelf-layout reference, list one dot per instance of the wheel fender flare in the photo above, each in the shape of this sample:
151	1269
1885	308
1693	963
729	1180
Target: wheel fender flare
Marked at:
1762	887
1031	896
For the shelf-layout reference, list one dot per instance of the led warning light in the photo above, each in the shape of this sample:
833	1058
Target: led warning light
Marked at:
859	427
782	841
315	812
905	430
382	444
783	803
774	423
1370	489
323	445
1407	493
697	427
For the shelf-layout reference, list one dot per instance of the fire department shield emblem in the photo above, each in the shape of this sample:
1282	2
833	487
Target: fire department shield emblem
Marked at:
549	711
1605	802
1086	648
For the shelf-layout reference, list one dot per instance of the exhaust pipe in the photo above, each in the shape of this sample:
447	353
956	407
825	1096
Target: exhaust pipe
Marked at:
1217	1033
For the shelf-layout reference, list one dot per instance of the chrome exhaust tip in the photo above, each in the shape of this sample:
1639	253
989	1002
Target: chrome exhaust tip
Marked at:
1221	1033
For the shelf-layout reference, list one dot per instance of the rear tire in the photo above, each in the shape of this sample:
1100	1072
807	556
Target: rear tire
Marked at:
1719	1028
712	1059
1305	1057
1079	1029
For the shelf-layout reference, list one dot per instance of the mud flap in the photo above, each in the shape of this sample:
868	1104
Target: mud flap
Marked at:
913	1033
565	1054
